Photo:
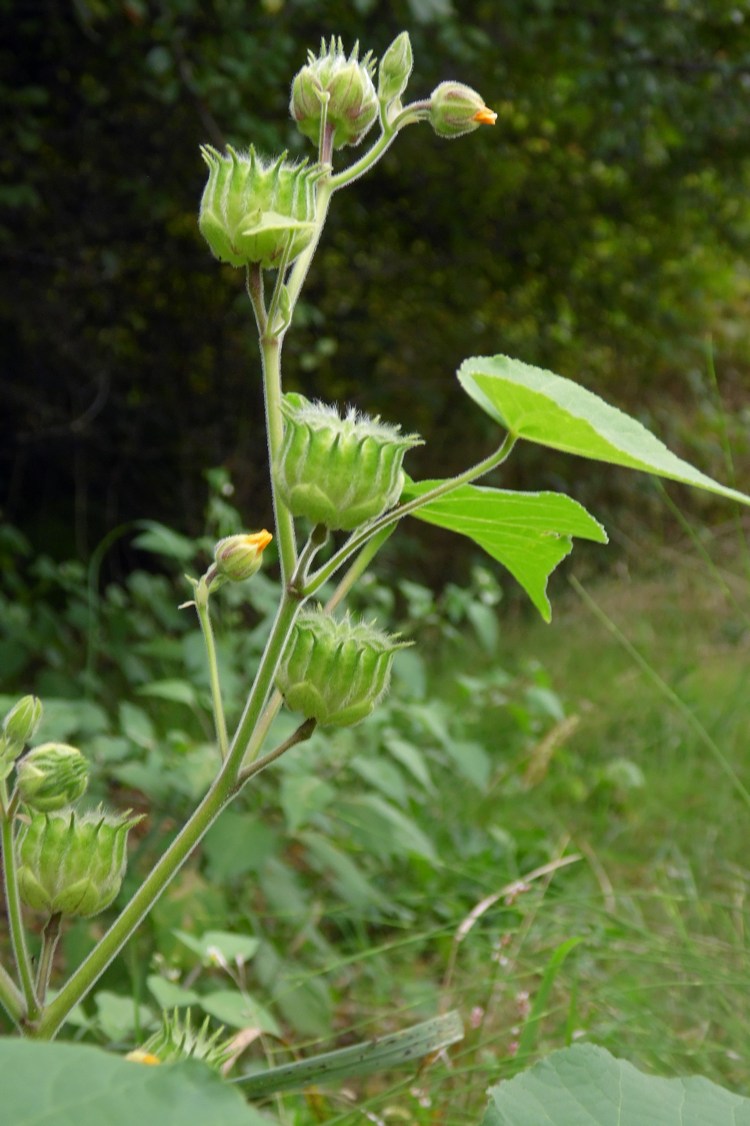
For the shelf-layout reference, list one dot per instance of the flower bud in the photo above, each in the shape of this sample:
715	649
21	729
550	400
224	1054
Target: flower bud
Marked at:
252	211
395	68
345	84
335	671
339	472
238	557
51	776
19	725
456	109
72	863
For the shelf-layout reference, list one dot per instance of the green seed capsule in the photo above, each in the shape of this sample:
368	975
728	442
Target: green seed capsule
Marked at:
339	472
344	85
257	212
72	863
335	671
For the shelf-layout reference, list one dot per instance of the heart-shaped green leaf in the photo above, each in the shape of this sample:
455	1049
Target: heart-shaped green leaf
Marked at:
541	407
585	1084
529	533
79	1085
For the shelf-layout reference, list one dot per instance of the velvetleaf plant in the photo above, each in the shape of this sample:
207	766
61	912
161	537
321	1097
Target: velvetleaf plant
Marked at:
337	480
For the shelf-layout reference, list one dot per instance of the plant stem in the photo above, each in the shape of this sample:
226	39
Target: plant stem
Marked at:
301	265
410	114
358	567
255	290
359	539
270	355
273	305
13	906
220	723
220	794
301	735
270	352
316	539
288	609
11	997
50	938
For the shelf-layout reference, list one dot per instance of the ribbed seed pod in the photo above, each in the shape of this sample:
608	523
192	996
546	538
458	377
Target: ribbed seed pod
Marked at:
346	84
334	670
251	211
72	863
339	472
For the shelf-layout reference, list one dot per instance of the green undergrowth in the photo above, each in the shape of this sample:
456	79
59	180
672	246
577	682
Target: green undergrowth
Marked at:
532	829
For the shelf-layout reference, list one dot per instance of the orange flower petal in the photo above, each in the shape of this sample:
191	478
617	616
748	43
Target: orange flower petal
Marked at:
259	540
485	116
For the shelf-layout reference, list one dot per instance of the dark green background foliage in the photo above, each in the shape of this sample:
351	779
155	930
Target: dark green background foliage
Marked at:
595	230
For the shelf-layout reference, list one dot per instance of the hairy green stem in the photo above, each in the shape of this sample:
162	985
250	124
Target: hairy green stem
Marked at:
270	350
11	997
316	539
288	609
301	266
359	539
50	938
220	723
270	354
358	567
409	115
255	286
274	303
301	735
13	907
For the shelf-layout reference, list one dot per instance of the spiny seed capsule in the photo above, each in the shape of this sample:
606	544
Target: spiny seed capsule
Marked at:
253	211
339	472
179	1038
335	671
51	776
72	863
456	109
345	84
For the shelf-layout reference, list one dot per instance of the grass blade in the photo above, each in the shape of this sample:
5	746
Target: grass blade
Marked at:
379	1054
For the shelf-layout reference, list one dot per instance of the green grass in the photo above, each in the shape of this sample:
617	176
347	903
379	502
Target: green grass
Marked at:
558	744
660	894
639	785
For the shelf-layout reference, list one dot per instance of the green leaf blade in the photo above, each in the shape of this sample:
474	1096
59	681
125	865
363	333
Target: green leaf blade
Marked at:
529	533
585	1084
79	1085
399	1049
538	406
